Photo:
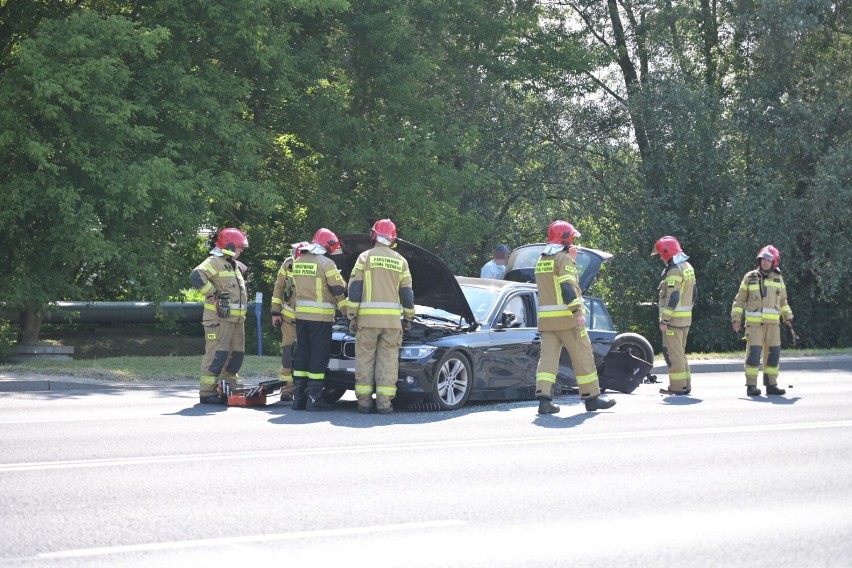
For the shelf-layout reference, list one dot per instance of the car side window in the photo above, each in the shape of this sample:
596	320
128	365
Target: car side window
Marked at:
597	316
518	305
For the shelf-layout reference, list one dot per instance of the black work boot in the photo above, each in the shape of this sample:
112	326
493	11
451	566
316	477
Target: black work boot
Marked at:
752	390
774	389
300	396
598	402
315	400
546	406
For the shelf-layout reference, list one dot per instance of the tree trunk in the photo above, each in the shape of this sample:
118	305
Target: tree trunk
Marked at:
30	326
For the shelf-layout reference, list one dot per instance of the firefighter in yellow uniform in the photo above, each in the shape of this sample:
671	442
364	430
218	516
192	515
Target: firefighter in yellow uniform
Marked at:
676	298
562	322
379	292
762	298
320	291
284	316
220	279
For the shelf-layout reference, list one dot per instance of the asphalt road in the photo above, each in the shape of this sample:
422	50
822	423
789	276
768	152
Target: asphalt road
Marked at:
145	477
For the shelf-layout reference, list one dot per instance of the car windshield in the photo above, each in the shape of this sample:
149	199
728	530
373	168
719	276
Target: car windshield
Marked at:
481	302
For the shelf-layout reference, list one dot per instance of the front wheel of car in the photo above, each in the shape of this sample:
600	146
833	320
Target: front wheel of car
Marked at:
635	345
453	382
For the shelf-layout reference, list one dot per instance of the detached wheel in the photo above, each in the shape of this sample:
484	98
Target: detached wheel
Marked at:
635	345
453	383
332	394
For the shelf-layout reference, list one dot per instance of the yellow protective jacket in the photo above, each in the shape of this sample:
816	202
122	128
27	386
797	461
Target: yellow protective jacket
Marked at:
677	290
221	273
762	298
284	292
560	299
320	288
380	289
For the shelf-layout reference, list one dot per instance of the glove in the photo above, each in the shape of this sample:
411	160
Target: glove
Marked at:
223	304
276	321
353	327
406	325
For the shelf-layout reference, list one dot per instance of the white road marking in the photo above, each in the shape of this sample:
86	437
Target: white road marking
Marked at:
442	445
224	541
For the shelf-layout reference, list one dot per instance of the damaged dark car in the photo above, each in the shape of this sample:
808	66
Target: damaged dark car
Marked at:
475	339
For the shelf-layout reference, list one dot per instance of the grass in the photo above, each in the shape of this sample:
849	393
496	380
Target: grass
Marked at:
142	369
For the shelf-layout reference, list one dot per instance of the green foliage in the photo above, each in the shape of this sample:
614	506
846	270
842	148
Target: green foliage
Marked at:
8	336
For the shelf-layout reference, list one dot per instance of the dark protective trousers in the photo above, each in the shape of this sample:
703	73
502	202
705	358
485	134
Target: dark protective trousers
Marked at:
224	352
314	340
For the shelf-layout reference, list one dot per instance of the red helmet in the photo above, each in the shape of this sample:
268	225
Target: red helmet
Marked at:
328	240
384	228
666	247
561	233
769	252
229	239
296	248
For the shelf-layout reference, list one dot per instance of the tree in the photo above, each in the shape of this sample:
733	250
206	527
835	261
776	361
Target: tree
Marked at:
121	139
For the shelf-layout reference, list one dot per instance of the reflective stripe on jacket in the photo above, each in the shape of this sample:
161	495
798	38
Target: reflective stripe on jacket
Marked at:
221	273
320	288
677	290
762	298
380	289
553	274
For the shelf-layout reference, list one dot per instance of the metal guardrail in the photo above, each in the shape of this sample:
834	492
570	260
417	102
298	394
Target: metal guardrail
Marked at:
121	312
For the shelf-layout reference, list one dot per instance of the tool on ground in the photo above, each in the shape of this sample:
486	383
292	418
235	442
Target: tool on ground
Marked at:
249	395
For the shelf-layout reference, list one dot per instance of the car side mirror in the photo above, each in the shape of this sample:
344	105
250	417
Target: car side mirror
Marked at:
508	320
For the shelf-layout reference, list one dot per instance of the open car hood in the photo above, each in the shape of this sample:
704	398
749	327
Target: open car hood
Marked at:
521	264
434	285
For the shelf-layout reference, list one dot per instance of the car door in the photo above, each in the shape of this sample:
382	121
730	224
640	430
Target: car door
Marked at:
601	331
513	350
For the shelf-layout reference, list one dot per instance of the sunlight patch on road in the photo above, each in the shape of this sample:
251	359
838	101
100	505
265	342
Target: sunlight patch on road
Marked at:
251	539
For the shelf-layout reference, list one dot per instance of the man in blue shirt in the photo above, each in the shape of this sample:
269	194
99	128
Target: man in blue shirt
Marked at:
496	267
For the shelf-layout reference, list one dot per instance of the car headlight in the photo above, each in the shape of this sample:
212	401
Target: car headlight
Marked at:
415	351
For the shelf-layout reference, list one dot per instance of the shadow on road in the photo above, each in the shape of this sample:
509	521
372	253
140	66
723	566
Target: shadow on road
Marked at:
772	400
199	410
345	413
675	400
557	421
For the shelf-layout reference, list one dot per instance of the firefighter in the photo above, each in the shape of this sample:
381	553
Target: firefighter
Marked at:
320	291
379	292
220	279
763	298
562	322
284	316
676	295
